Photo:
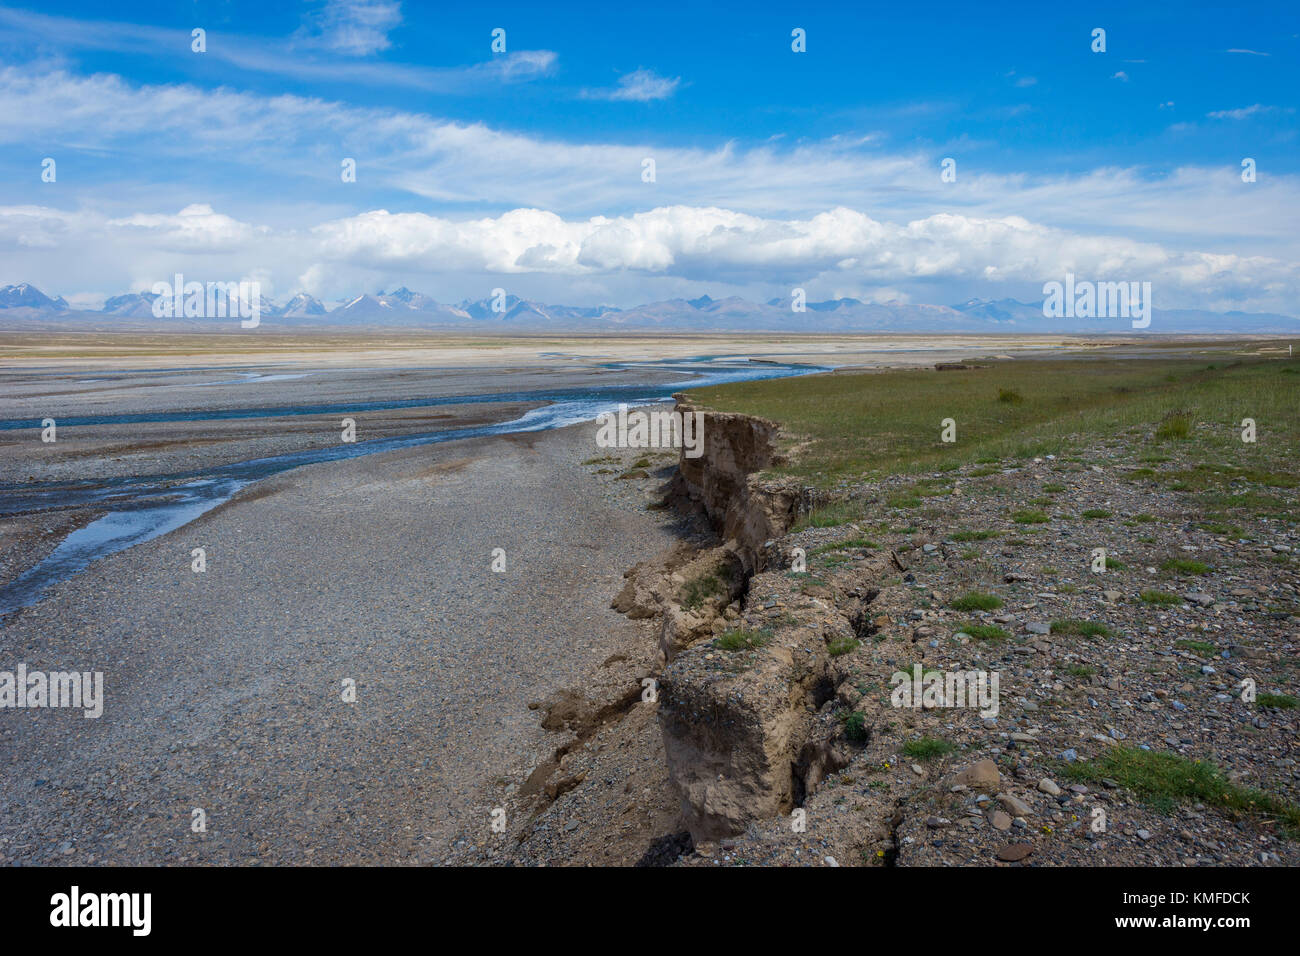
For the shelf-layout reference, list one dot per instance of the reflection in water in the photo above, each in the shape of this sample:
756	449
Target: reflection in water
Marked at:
146	507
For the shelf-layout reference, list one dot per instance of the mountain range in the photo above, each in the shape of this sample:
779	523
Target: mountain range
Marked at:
24	307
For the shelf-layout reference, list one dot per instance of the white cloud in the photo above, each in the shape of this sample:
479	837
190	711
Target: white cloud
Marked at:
1251	52
1121	76
640	86
837	248
355	27
1241	113
311	59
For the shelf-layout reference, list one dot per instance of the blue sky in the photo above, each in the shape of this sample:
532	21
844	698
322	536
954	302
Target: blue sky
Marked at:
822	168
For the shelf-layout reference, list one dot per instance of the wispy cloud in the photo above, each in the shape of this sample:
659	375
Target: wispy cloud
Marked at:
354	27
639	86
1243	112
1250	52
275	57
1121	76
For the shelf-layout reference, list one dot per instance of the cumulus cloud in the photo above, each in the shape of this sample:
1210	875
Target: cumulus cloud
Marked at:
837	248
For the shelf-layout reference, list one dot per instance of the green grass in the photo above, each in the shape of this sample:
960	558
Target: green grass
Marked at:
1095	513
985	632
976	601
975	535
855	727
1053	488
1029	516
1166	780
1080	670
841	646
1283	701
1009	396
740	639
1162	598
928	748
1201	648
700	589
1185	566
1079	628
872	424
831	515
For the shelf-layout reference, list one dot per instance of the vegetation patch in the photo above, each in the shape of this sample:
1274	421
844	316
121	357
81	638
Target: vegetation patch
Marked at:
741	638
928	748
1165	780
976	601
1162	598
1077	628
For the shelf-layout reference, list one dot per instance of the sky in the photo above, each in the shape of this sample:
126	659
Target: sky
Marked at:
529	167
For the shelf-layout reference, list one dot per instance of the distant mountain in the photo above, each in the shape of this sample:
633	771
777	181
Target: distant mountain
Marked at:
27	296
135	304
28	307
300	306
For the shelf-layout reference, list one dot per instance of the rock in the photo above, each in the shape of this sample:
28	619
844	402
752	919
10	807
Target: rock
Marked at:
1204	600
981	775
1070	756
1015	852
1111	597
831	861
1000	820
1015	805
1049	787
1037	627
1145	834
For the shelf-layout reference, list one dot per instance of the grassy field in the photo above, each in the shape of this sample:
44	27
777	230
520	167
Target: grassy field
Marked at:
855	426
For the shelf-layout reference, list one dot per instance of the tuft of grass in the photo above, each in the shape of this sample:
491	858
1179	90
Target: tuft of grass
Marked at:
1053	488
976	601
1029	516
1185	566
698	590
1009	396
842	645
1162	598
741	638
985	632
1201	648
830	515
1283	701
975	535
855	727
1095	513
1081	628
928	748
1174	426
1080	670
1165	780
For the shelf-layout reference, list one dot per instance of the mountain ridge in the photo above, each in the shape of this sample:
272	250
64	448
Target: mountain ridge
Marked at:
29	307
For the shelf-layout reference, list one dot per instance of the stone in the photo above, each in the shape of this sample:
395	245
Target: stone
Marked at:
981	775
1015	805
1049	787
1000	820
1015	852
